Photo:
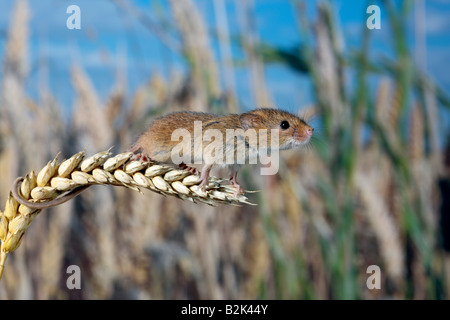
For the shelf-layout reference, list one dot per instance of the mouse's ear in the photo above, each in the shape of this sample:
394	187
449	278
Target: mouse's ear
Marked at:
249	120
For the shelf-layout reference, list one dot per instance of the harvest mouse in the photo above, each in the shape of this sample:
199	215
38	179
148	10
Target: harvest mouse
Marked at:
157	142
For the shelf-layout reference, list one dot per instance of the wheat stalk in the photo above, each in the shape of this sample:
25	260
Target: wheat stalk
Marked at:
383	224
76	172
416	142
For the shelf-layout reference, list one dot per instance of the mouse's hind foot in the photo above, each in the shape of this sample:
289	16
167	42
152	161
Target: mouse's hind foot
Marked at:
139	155
239	189
188	168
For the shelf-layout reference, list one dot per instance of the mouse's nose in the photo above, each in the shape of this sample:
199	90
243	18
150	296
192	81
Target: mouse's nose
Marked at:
309	131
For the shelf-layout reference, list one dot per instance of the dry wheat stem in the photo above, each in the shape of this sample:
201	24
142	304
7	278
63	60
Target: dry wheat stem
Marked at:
383	225
103	169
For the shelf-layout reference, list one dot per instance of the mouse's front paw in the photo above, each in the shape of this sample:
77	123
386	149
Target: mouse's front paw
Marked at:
239	189
204	183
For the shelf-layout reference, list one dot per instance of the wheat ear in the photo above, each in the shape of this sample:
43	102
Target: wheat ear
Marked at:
55	179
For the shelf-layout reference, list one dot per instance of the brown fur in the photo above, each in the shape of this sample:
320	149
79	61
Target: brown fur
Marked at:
157	144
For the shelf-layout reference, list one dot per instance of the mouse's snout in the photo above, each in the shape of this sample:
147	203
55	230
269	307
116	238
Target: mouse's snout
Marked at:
303	134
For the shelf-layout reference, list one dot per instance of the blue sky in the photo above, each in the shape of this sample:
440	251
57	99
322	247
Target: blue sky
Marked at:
109	37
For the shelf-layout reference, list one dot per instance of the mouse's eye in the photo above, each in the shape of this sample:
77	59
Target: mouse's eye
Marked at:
284	125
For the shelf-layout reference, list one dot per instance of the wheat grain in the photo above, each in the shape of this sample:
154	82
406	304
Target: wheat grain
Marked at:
102	169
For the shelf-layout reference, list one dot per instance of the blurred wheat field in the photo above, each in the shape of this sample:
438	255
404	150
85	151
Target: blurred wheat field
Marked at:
371	191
